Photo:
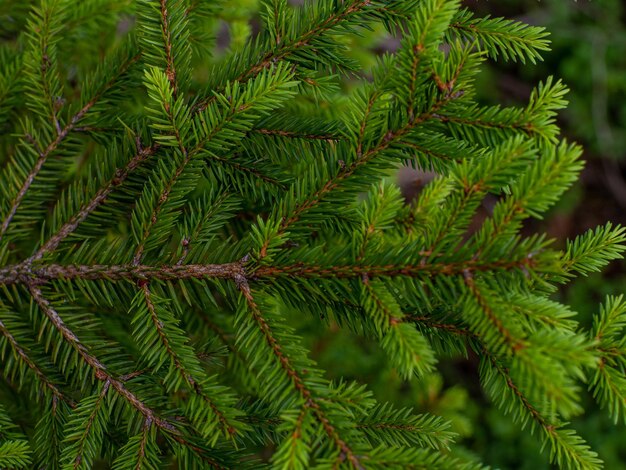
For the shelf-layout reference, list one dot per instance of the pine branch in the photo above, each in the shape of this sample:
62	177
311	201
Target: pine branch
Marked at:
310	401
505	335
350	9
44	153
170	70
89	420
98	368
25	274
386	425
566	447
136	281
219	127
140	452
447	327
392	137
102	375
513	40
182	364
296	135
100	197
249	170
23	357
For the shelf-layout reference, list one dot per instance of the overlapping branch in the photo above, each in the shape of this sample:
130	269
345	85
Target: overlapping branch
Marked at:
101	373
310	401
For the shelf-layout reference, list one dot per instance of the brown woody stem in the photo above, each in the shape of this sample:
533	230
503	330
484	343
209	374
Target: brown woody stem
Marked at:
31	275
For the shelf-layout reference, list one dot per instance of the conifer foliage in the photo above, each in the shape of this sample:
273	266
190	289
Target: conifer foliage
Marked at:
165	214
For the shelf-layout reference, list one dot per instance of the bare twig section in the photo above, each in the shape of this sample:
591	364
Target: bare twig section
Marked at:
52	146
23	356
170	70
71	225
297	135
25	274
392	270
310	401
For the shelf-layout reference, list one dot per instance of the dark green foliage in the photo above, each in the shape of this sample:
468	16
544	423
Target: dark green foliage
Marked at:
171	220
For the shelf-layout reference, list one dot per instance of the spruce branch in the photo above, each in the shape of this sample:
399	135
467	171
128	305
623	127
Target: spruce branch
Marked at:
390	138
182	365
27	274
566	446
100	373
513	40
44	153
515	344
40	274
296	135
98	368
310	401
346	11
23	356
99	198
157	298
170	70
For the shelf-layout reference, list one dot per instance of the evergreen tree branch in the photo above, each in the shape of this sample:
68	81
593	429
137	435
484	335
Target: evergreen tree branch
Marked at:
227	427
102	375
306	271
52	146
76	454
100	197
311	401
98	368
390	138
39	275
240	167
262	208
41	377
170	70
296	135
220	127
498	36
351	9
26	274
566	447
140	452
447	327
396	427
505	334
